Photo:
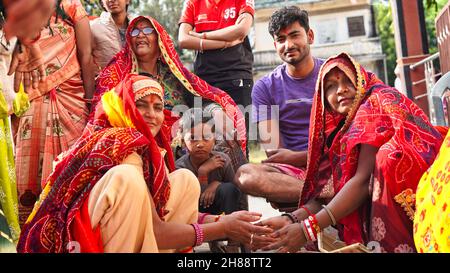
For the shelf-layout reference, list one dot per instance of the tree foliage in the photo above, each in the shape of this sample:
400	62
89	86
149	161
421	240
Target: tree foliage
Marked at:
385	28
431	11
167	13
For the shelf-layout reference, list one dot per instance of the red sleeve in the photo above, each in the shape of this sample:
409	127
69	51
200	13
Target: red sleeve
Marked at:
187	15
247	6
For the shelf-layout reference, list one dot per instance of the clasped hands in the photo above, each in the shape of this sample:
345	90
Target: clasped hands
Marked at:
286	237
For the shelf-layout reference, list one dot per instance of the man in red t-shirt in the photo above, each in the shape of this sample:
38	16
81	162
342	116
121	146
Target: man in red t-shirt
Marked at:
218	30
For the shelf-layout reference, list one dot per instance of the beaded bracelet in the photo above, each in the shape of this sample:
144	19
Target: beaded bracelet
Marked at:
199	236
333	220
291	216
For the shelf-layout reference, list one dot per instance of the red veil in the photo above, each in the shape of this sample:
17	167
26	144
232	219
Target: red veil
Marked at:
382	117
123	64
61	216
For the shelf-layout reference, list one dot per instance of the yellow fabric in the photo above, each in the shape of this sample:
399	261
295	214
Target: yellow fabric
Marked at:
3	107
432	218
113	107
8	187
21	102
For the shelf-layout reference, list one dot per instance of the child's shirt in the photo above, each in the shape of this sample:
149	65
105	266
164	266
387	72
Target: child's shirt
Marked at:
224	174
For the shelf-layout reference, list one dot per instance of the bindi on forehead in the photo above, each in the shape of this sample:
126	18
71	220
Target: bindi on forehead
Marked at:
142	24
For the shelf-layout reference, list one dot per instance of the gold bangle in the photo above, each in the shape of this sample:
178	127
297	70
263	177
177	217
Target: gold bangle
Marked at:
333	220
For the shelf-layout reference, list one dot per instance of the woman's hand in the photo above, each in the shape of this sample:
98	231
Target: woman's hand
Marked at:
27	17
238	227
275	223
27	64
289	239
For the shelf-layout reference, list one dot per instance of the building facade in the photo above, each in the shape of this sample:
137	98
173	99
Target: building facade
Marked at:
338	25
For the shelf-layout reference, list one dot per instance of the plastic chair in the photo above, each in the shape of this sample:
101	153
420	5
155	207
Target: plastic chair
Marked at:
440	97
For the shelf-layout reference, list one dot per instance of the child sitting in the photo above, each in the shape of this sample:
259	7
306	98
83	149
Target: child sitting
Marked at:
213	169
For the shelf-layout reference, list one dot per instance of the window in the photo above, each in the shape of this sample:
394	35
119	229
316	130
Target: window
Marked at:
356	26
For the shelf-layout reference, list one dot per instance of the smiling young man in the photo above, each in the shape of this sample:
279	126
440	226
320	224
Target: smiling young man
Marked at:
282	103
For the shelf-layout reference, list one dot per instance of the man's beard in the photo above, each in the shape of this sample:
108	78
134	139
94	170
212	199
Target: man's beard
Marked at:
303	53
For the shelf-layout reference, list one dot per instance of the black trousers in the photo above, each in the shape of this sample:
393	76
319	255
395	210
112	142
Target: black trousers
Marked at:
240	91
226	199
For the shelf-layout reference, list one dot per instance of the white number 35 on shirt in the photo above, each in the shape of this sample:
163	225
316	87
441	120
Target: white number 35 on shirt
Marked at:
230	13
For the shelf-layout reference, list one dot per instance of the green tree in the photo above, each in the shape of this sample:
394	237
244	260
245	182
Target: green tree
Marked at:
385	28
167	13
433	7
92	7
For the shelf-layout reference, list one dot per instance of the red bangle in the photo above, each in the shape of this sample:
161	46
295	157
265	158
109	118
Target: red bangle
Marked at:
305	228
199	236
310	230
307	210
314	224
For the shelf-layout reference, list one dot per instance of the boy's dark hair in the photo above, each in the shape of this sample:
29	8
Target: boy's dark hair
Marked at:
285	17
194	117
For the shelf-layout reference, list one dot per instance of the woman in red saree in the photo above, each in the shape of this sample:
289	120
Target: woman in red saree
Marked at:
379	143
153	54
111	191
